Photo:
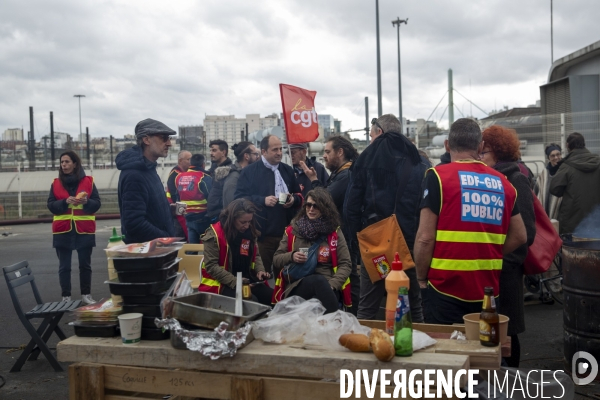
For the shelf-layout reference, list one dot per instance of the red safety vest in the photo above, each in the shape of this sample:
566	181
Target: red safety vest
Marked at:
176	171
84	223
208	283
476	207
332	240
188	186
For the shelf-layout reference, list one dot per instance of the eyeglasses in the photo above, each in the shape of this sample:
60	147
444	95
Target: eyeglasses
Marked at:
165	138
309	205
376	123
484	153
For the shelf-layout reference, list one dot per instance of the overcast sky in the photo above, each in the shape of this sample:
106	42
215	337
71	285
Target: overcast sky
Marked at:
176	61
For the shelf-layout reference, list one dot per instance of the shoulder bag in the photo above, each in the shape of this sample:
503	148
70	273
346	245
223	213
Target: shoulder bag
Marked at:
546	244
380	241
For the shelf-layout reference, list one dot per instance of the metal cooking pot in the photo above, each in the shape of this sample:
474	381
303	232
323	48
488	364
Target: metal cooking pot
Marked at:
581	296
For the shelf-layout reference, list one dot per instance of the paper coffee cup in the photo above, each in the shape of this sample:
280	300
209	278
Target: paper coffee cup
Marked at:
303	250
131	327
283	198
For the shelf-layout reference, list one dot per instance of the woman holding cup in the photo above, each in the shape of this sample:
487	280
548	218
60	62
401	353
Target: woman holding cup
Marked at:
316	225
73	200
230	246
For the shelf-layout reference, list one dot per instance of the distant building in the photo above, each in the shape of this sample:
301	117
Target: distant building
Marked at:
337	124
232	129
573	89
13	135
326	122
191	137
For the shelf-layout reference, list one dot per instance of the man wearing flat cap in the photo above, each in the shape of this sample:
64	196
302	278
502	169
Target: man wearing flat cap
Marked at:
298	152
145	212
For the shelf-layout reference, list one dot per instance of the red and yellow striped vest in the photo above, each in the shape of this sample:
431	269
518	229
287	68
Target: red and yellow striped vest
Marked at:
188	187
208	283
84	223
476	207
332	240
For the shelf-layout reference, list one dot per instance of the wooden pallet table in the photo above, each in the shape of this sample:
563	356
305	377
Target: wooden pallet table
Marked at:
106	369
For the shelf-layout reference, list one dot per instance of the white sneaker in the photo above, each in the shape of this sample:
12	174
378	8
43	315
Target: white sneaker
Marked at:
87	299
66	298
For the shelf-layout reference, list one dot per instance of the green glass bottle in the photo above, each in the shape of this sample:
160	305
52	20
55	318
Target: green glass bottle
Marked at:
403	325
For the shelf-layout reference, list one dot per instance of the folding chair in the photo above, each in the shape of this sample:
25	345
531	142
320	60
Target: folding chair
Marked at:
190	262
17	275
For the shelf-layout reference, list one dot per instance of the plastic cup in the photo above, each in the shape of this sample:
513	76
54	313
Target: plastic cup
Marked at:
131	327
283	198
303	250
180	208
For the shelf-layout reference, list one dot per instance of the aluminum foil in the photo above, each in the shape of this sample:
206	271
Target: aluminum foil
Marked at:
216	344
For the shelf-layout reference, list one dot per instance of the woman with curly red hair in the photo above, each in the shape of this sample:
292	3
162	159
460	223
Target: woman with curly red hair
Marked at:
501	152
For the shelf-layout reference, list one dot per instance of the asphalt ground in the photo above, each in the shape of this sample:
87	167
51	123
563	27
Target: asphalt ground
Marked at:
541	344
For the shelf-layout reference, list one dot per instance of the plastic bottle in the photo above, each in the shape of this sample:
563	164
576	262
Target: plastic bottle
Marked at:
403	330
113	241
394	281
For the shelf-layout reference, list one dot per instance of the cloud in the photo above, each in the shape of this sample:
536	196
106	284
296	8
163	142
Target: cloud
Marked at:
178	61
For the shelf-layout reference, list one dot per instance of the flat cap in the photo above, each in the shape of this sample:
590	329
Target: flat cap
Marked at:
150	127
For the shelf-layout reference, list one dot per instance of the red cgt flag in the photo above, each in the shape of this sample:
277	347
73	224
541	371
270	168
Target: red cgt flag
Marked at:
299	114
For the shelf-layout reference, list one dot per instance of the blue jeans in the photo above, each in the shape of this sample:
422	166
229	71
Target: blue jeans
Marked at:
64	270
197	224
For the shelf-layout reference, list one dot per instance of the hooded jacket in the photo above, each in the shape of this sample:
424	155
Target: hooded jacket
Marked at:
223	190
577	181
145	212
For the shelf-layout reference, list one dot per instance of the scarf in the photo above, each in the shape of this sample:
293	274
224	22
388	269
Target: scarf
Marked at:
312	229
280	186
239	262
552	170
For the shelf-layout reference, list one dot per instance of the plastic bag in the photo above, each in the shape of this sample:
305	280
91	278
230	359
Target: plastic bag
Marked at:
327	329
289	321
421	340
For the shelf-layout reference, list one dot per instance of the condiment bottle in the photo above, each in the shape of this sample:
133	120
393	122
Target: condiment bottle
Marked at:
403	330
246	291
489	321
113	241
394	281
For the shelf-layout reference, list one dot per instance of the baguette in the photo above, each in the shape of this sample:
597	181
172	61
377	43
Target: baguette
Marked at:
355	342
382	345
81	195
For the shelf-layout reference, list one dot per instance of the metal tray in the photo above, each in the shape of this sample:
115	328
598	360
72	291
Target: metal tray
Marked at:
208	310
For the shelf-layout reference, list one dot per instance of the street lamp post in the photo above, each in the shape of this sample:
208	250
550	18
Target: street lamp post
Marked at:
397	22
379	105
79	96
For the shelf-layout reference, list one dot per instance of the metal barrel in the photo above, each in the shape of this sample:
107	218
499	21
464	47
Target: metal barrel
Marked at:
581	298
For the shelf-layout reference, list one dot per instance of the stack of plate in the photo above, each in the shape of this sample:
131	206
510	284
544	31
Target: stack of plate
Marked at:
143	282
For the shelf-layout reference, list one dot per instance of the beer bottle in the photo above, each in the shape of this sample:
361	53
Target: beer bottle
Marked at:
403	325
489	322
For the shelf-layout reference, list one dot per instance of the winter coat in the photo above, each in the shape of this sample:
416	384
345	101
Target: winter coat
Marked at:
72	240
511	276
214	166
255	183
577	181
211	260
145	211
336	185
304	181
371	195
282	257
223	189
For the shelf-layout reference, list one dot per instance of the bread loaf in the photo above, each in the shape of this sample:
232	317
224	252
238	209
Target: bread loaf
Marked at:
382	345
81	195
355	342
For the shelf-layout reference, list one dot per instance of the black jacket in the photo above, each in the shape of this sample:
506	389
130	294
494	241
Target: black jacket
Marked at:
255	183
304	182
72	240
145	212
336	185
371	194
